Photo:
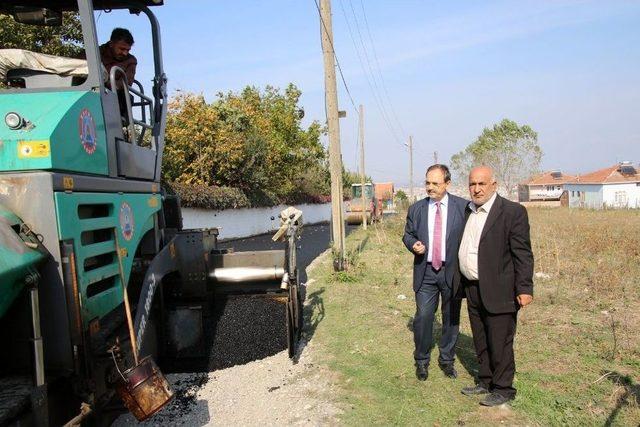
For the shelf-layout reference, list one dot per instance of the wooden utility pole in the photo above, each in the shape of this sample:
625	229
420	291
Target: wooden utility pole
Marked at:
410	168
362	175
335	158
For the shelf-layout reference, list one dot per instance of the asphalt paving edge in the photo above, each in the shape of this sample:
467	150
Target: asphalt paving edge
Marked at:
317	260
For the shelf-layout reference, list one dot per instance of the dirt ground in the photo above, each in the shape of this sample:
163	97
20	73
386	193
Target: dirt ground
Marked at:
272	391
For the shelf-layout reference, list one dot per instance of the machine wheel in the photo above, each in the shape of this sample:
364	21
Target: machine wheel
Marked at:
291	339
294	319
297	311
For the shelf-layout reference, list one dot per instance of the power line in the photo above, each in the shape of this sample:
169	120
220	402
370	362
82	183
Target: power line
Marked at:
335	55
375	55
373	76
361	64
373	87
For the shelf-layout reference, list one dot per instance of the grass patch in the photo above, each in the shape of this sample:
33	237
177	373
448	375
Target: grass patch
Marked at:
577	347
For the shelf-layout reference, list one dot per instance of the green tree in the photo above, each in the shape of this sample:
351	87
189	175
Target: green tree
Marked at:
510	149
64	40
252	140
401	195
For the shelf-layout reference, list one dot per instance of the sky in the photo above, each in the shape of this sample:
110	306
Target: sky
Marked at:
437	71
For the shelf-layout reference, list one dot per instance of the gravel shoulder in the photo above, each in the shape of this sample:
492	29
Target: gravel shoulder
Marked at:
272	391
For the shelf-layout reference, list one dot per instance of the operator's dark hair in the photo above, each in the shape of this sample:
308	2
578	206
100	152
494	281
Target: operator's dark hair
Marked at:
443	168
121	34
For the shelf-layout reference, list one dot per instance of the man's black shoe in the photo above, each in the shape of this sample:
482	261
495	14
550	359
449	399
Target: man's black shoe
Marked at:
495	399
422	372
474	390
449	370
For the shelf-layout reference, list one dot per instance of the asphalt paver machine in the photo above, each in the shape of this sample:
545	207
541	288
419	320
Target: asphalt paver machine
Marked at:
98	278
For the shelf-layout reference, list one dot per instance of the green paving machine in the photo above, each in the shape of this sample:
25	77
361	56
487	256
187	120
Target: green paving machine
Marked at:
97	275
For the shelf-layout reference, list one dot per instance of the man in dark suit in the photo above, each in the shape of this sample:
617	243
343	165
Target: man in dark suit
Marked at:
432	233
496	267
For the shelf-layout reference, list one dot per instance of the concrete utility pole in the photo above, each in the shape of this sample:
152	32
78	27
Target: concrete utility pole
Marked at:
364	210
410	145
335	158
435	157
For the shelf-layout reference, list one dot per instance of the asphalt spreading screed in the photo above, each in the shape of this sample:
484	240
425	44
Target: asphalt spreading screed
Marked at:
246	329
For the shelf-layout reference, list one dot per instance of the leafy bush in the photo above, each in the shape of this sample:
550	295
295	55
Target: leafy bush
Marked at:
253	141
219	198
247	149
262	198
302	198
208	197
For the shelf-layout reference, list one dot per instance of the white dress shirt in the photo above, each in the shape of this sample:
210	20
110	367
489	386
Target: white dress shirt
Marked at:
468	253
432	223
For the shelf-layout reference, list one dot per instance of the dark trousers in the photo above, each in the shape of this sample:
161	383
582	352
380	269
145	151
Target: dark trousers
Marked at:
433	286
493	339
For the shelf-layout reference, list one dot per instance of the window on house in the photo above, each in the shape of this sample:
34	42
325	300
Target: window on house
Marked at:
621	198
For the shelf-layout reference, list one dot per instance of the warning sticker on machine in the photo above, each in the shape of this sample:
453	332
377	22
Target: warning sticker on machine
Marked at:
33	149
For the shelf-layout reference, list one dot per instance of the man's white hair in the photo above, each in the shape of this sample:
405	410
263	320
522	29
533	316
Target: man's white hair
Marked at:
492	173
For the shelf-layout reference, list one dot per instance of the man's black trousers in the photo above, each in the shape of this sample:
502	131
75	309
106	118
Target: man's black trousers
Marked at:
433	286
493	336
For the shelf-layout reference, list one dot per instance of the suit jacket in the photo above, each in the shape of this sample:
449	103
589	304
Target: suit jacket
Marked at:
505	259
417	228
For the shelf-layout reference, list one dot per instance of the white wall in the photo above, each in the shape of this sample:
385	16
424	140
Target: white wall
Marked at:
597	196
236	223
543	192
625	195
590	195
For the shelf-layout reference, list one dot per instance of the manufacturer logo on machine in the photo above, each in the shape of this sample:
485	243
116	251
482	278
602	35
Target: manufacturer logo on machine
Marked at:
126	221
87	128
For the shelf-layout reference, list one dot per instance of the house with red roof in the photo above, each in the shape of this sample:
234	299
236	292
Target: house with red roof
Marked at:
384	191
545	186
617	186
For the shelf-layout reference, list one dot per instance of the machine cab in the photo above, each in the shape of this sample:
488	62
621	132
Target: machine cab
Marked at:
356	190
61	110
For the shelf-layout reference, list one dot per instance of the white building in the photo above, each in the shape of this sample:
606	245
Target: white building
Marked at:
617	186
545	186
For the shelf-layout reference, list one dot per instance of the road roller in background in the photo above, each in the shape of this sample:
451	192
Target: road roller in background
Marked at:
371	206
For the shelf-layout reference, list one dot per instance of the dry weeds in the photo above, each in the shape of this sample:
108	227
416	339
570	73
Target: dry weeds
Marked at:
577	348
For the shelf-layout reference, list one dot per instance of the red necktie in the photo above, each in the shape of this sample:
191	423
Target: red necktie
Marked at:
436	255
